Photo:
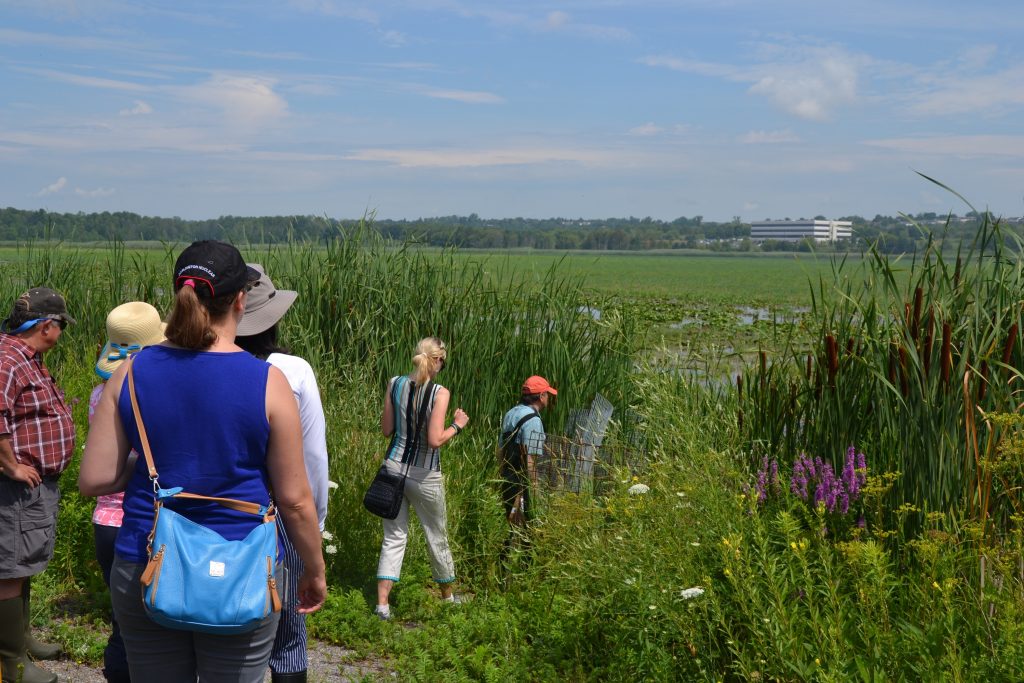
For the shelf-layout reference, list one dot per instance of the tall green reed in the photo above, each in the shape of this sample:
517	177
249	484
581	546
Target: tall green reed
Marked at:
900	370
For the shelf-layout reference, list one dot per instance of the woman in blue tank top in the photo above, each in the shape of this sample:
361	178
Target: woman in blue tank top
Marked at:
220	423
416	448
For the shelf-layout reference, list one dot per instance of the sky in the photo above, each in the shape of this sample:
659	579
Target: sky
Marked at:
575	109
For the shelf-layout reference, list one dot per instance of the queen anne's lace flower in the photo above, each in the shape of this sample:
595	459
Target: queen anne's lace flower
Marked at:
330	550
332	484
638	489
327	535
691	593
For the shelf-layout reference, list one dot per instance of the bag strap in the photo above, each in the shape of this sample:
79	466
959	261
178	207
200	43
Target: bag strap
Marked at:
267	512
428	398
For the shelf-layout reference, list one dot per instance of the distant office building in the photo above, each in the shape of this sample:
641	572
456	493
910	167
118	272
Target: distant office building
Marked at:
794	231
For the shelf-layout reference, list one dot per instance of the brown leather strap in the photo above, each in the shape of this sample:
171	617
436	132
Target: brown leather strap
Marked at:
138	420
239	505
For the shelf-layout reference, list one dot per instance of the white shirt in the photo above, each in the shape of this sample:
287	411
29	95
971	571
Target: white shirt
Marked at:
314	428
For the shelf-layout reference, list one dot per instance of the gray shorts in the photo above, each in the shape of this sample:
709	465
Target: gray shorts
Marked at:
162	655
28	522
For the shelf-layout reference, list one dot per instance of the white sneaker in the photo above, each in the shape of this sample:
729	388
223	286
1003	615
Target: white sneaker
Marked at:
383	612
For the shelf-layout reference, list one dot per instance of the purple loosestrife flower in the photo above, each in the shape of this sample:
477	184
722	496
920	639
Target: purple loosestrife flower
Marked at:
767	479
799	481
835	493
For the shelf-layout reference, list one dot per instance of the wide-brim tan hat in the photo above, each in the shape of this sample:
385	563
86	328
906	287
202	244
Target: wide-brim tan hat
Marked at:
265	304
131	327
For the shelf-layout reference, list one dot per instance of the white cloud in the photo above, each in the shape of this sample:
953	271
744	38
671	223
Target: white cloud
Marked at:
767	137
393	38
646	129
812	88
85	81
557	20
140	108
247	101
956	145
15	37
420	158
98	192
810	82
466	96
53	188
963	93
341	10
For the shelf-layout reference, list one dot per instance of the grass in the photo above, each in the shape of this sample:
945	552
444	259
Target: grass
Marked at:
788	591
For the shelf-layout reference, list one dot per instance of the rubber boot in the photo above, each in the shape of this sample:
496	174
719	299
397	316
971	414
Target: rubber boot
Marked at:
36	649
15	666
297	677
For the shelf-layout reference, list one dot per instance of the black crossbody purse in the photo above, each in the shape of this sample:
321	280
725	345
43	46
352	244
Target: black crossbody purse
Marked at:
384	496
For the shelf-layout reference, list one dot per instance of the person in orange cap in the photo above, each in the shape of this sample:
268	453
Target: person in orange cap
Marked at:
522	441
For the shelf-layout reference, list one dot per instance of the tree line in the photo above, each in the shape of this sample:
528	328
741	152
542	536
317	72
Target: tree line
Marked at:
890	234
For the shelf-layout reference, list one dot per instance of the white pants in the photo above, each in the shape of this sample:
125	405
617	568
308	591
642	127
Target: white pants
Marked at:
424	491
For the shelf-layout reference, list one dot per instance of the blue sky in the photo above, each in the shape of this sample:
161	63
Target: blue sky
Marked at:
581	108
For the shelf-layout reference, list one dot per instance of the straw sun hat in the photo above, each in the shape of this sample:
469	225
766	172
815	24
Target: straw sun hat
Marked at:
130	328
265	305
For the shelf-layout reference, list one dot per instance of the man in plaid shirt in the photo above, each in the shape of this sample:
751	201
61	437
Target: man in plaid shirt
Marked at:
37	438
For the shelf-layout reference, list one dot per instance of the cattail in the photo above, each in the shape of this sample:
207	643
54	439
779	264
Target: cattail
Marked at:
891	374
809	365
832	352
947	355
763	358
1010	341
956	273
926	348
916	319
849	346
739	387
903	371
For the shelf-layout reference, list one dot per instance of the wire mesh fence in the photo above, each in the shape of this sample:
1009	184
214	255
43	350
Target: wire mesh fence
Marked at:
579	460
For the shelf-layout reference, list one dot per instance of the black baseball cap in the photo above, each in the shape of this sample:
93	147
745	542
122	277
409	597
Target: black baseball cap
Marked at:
214	267
40	303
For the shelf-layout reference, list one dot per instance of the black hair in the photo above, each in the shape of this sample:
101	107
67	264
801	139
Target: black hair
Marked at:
262	344
530	399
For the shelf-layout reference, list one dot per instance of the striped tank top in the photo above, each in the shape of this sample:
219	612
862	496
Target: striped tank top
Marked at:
407	403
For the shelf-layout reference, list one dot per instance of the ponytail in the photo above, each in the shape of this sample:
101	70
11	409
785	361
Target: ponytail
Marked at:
429	352
189	324
423	364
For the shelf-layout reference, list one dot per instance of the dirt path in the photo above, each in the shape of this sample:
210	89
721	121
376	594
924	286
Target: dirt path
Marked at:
327	663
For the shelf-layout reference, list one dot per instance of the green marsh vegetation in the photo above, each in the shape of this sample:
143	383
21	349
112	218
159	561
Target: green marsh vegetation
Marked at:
729	567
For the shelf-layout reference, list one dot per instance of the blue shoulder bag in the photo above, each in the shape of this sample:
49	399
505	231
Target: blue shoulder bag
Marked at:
196	580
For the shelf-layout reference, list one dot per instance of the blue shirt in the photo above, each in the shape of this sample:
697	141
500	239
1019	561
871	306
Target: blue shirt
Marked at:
531	434
205	415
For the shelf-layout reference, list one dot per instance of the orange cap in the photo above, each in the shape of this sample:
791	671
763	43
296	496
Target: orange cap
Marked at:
538	385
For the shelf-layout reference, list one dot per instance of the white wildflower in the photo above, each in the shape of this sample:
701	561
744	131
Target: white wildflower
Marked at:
681	494
691	593
330	550
695	544
638	489
332	484
652	607
630	581
327	535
